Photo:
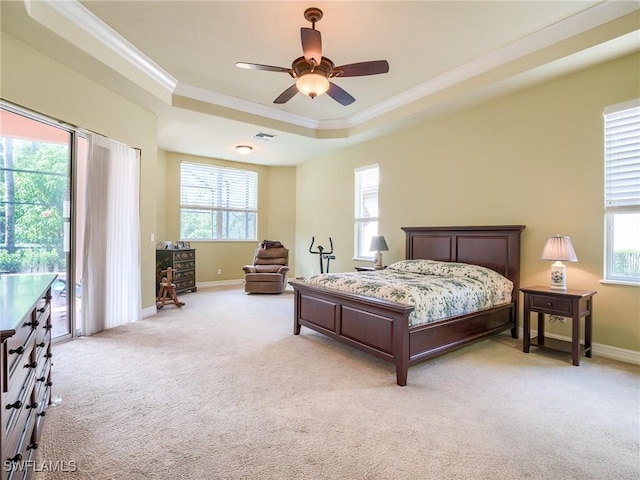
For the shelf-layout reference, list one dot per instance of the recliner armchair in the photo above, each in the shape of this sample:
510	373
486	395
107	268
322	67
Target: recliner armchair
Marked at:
268	274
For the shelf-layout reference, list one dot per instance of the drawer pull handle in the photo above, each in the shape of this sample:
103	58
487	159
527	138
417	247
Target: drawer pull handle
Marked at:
33	324
41	310
49	383
48	355
41	379
19	350
42	414
31	405
47	327
17	404
31	365
33	446
16	458
41	344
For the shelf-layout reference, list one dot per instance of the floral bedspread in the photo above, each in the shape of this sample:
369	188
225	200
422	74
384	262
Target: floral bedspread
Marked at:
436	290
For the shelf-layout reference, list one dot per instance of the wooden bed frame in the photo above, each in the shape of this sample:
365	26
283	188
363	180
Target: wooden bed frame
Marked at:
381	327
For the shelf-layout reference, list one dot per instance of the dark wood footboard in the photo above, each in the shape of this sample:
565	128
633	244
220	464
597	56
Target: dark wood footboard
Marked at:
381	327
375	326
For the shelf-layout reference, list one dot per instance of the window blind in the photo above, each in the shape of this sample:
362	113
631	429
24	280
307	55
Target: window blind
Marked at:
212	186
622	157
366	192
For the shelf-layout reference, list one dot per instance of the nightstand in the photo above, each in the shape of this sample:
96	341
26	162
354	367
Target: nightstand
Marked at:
569	303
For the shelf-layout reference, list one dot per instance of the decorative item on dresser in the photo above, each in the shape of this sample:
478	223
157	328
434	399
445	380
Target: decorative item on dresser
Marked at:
183	265
25	368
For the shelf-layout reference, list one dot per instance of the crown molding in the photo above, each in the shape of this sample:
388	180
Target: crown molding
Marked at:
82	18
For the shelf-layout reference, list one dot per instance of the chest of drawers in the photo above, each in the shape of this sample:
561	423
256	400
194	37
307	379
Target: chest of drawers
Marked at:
183	263
25	368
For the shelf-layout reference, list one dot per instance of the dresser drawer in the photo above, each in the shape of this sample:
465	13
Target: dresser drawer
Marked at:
21	404
186	255
184	265
185	284
22	450
182	275
20	364
552	305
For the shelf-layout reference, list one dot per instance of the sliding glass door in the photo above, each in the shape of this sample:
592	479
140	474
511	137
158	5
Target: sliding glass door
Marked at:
37	228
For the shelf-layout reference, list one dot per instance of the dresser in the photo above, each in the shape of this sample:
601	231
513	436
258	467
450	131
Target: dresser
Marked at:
25	368
183	264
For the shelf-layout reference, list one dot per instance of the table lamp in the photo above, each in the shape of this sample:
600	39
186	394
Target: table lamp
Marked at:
378	245
558	249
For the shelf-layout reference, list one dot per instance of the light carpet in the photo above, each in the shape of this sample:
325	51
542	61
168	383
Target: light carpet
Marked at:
222	389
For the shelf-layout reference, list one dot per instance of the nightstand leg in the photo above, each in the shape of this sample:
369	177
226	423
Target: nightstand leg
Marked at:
526	326
575	339
587	335
540	329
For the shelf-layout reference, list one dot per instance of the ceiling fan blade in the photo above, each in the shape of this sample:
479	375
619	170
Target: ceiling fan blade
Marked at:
339	95
287	95
311	45
266	68
374	67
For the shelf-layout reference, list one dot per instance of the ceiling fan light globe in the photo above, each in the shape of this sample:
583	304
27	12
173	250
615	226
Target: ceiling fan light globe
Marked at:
312	84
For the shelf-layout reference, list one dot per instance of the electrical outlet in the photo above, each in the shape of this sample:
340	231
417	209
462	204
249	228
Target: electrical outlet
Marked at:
219	271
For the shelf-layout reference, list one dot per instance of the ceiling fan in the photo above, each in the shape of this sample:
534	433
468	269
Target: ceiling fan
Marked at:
312	71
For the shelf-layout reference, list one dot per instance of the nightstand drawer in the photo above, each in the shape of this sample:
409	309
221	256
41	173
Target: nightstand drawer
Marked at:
548	304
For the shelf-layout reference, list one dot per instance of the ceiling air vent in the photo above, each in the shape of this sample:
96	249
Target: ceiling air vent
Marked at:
263	136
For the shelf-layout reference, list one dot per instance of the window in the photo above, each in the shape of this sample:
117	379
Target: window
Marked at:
366	211
622	192
217	203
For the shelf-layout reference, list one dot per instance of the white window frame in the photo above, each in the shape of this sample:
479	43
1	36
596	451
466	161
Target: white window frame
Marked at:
365	221
222	194
621	182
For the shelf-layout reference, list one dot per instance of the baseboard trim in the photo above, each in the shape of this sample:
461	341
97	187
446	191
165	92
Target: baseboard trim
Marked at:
600	350
219	283
148	312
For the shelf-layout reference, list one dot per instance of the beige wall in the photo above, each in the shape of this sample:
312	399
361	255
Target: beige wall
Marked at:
276	217
39	83
532	158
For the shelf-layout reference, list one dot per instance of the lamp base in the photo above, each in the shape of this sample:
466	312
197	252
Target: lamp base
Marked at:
558	276
377	261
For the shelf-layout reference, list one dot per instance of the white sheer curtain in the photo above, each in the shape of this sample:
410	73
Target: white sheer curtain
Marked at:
111	291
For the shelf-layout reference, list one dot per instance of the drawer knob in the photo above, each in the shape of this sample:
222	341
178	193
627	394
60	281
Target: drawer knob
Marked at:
33	446
19	350
48	355
41	310
31	365
47	327
33	324
16	458
41	344
49	383
42	414
17	404
41	379
31	405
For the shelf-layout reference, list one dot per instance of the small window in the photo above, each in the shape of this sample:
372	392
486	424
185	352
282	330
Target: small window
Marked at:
622	192
217	203
366	211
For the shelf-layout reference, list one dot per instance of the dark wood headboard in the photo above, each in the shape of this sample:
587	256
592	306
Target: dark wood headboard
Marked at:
495	247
